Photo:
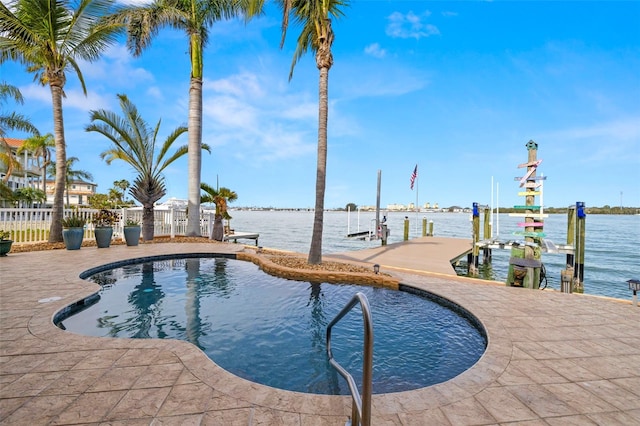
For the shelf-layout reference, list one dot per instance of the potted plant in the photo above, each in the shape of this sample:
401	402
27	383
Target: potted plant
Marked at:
132	232
73	231
103	221
5	242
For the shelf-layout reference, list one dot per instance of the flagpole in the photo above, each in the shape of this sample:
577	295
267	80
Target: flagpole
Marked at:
417	205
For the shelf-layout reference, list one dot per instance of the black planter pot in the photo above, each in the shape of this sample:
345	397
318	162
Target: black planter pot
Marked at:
5	247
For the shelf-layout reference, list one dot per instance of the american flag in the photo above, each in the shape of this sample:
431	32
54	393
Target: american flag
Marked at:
414	175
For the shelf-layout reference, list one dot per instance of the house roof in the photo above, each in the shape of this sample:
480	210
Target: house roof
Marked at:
14	143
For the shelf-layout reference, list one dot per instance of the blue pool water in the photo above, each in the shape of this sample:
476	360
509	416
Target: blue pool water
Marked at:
273	331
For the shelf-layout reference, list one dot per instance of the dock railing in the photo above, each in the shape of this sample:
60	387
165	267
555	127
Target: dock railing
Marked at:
32	225
361	406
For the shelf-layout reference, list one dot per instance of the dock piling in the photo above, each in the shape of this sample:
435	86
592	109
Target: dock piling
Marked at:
486	251
406	228
579	248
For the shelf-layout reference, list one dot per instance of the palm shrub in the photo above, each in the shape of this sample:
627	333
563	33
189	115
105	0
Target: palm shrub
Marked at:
73	221
135	142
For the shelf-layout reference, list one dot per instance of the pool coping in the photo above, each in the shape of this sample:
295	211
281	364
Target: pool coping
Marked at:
508	344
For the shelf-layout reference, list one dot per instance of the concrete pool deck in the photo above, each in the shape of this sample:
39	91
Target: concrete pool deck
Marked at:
552	359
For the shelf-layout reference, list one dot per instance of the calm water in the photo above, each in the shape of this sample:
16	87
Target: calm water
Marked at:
612	254
273	331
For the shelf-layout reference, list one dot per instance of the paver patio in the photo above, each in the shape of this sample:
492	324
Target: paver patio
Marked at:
552	359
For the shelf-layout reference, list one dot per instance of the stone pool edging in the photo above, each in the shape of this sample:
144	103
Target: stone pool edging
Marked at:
333	277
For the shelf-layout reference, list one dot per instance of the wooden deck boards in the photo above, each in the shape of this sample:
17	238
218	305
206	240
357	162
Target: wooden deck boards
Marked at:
427	254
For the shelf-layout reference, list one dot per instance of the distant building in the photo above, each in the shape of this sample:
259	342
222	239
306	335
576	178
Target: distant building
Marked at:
396	207
79	192
27	173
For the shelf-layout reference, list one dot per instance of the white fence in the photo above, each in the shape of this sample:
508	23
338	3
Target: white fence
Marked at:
32	225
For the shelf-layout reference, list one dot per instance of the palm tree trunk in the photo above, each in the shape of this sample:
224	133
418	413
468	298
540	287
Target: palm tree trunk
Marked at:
147	222
55	231
195	137
194	157
44	181
315	251
218	228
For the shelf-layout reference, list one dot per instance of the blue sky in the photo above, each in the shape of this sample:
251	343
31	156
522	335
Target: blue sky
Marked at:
457	87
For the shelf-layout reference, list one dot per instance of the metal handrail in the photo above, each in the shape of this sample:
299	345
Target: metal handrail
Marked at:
361	408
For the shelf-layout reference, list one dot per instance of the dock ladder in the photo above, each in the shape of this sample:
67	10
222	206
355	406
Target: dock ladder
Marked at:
361	406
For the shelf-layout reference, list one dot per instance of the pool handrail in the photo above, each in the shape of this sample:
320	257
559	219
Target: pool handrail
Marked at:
361	408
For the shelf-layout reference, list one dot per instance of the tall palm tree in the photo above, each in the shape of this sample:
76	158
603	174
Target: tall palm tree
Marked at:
314	16
220	197
134	142
71	175
194	17
50	37
39	147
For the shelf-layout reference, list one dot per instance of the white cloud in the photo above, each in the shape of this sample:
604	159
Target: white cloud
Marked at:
257	119
115	68
617	141
410	25
375	50
244	84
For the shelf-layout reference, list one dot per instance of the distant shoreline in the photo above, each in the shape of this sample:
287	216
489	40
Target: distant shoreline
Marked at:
627	211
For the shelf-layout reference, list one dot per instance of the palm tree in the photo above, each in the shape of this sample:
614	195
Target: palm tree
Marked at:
316	35
10	161
134	142
39	146
194	17
220	197
50	37
12	121
71	175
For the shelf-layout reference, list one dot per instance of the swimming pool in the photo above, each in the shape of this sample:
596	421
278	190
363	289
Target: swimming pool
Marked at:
272	330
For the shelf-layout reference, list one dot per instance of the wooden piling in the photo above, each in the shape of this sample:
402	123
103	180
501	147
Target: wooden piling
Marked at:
486	251
406	228
424	226
475	252
571	228
581	215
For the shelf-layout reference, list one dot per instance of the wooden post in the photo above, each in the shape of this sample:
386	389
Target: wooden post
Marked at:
431	228
486	251
532	279
424	226
571	229
406	228
578	286
525	262
473	265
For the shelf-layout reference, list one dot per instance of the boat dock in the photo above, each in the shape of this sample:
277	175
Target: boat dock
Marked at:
426	254
241	236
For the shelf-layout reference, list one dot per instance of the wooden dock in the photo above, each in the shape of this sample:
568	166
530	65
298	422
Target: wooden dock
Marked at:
426	254
241	236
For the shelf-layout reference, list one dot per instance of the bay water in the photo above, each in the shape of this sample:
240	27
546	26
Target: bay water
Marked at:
612	242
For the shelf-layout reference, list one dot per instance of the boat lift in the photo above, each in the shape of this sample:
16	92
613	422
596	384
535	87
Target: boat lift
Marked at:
377	229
